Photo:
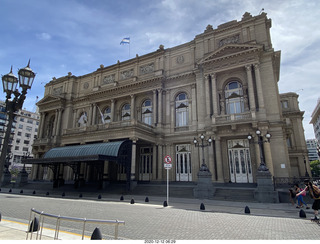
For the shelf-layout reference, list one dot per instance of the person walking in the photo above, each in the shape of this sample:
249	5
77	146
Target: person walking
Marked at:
300	197
314	192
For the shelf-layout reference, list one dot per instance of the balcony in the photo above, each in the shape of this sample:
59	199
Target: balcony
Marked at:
109	126
223	119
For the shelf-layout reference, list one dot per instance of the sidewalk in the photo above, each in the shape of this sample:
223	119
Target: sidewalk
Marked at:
16	230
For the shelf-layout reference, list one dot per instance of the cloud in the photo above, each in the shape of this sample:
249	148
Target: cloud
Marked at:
44	36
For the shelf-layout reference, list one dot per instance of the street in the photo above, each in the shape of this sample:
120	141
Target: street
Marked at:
152	221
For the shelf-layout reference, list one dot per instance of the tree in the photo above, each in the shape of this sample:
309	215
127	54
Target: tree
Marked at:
315	168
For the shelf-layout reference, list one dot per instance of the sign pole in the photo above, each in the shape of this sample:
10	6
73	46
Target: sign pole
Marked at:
167	166
168	187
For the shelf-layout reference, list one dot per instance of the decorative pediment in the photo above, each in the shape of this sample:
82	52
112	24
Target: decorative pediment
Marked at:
50	99
229	51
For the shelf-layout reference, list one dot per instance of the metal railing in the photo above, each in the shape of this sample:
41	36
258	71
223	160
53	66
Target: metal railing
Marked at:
32	223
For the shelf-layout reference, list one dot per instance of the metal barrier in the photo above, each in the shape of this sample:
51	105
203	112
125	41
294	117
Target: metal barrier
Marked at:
59	218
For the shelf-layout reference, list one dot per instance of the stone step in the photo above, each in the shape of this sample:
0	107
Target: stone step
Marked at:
227	194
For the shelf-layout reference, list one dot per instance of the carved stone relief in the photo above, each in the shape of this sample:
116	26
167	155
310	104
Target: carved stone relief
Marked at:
126	74
149	68
109	79
229	40
57	91
180	59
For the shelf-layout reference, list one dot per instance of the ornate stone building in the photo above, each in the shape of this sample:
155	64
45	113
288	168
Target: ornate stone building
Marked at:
119	122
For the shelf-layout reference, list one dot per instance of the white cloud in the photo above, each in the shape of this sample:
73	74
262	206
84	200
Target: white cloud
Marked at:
44	36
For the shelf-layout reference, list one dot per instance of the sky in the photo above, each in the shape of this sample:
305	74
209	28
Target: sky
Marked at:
77	36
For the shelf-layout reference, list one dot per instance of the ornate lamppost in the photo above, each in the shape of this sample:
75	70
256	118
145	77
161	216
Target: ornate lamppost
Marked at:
203	166
204	188
261	140
10	82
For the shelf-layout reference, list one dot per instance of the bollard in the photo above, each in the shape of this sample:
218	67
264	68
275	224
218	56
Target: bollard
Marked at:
247	210
202	207
165	204
21	191
80	195
47	194
147	199
99	197
63	194
132	201
121	198
34	226
302	214
34	192
96	234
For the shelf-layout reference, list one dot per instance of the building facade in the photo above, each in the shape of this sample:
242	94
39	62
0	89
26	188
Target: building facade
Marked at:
312	149
26	130
315	120
223	84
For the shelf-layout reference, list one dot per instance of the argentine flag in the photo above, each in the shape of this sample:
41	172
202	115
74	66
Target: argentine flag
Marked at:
125	40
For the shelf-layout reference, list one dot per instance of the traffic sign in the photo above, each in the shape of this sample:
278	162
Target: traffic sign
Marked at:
167	159
167	166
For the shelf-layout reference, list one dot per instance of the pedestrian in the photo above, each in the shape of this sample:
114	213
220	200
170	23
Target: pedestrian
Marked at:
292	196
300	197
314	192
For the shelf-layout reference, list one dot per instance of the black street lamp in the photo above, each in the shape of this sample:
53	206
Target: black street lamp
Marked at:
202	145
10	82
262	167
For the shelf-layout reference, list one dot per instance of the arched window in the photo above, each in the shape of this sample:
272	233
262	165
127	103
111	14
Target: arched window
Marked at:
146	110
107	115
234	98
125	112
182	110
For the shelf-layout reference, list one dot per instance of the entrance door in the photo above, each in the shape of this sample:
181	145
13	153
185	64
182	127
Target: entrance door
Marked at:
145	167
240	161
183	163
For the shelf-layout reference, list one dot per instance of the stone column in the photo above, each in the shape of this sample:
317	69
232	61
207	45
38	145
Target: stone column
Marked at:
74	123
259	86
207	96
194	104
160	164
211	162
200	100
215	95
105	174
160	106
90	115
112	110
268	157
154	107
133	161
42	122
54	132
94	114
252	101
219	160
59	122
154	162
132	107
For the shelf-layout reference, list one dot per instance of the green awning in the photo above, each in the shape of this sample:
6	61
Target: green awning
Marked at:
110	149
116	151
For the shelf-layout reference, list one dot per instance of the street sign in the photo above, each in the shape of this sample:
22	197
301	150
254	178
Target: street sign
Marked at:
167	166
167	159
